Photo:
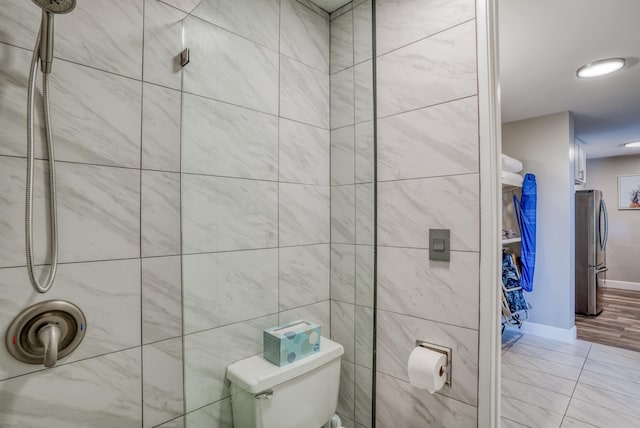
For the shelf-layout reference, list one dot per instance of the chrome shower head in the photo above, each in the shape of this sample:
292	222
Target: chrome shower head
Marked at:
56	6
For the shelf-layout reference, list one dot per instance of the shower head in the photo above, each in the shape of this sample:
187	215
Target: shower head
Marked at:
49	8
56	6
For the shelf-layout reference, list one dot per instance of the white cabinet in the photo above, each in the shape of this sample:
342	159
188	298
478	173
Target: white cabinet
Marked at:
579	162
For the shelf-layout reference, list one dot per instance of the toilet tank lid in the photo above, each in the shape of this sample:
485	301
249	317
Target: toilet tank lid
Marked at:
255	374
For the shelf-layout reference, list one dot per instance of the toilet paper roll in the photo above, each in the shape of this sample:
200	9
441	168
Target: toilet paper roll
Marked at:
427	369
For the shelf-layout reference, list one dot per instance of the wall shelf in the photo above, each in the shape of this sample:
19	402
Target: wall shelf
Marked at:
511	241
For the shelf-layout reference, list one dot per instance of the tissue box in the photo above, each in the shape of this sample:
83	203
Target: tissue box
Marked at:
290	342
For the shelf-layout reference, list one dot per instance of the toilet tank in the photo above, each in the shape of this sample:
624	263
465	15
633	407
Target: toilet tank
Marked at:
303	394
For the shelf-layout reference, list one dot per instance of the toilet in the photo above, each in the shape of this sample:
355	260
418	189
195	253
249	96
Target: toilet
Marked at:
303	394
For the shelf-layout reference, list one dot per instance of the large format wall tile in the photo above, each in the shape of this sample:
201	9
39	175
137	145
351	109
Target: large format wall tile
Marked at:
222	214
409	283
304	214
229	68
304	93
346	393
363	84
396	338
206	360
401	23
365	212
303	275
402	405
161	298
342	42
365	159
363	394
161	112
107	292
160	213
104	392
342	98
223	288
365	281
364	336
343	327
408	209
434	141
162	44
257	20
319	313
342	156
216	415
343	280
222	139
434	70
304	35
162	393
362	32
304	153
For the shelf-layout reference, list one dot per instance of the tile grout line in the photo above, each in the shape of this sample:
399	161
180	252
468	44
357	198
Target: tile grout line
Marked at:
142	105
576	385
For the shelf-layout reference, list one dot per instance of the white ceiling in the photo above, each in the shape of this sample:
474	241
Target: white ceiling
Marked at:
330	5
544	42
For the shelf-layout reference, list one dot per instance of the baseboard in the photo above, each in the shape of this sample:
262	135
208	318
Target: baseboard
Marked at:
556	333
621	285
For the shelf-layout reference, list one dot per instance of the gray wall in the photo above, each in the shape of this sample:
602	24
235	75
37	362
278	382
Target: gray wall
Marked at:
428	177
545	146
623	245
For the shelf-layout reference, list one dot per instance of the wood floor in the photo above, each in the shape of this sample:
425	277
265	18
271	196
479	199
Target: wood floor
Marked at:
619	323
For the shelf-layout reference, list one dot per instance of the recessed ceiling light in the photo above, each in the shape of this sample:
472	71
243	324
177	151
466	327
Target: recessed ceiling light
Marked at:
633	144
600	68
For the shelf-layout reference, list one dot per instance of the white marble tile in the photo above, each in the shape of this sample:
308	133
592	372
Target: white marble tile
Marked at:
592	413
434	141
568	422
605	382
365	282
617	356
536	378
579	348
223	288
160	213
406	211
98	212
304	153
161	113
222	139
20	22
364	336
304	275
184	5
207	355
544	366
162	44
396	337
315	8
612	370
105	391
161	298
216	415
363	87
342	156
365	212
622	400
342	99
365	159
343	214
548	354
257	20
162	393
529	414
175	423
304	214
229	68
107	292
319	313
409	283
362	32
304	93
304	35
508	423
431	71
223	214
346	393
84	130
341	11
343	328
342	42
363	394
549	400
401	23
343	270
398	404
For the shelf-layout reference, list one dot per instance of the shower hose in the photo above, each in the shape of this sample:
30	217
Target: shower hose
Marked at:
40	288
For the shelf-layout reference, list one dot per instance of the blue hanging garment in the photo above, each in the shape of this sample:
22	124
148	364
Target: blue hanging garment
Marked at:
526	215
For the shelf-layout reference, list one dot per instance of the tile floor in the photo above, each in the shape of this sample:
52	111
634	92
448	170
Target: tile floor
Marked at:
551	384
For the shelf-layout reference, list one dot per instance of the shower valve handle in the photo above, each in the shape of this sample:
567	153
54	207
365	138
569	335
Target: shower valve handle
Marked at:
50	336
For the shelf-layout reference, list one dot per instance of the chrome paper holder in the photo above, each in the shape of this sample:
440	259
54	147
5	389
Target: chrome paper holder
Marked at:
443	350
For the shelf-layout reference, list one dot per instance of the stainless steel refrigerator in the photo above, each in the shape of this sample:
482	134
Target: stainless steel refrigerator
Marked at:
592	228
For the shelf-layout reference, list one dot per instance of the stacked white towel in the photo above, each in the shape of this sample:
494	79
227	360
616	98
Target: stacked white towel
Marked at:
510	169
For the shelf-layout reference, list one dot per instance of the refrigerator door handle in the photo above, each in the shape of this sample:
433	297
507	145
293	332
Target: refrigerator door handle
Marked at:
603	206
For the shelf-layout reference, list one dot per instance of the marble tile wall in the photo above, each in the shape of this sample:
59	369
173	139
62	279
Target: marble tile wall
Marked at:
352	206
116	124
427	179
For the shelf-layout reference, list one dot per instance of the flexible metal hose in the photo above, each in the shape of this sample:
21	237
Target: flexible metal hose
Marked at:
40	288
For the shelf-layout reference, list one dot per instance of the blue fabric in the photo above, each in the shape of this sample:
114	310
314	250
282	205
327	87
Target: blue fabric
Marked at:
526	214
513	292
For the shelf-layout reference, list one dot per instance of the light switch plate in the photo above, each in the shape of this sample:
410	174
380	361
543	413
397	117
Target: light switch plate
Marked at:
439	244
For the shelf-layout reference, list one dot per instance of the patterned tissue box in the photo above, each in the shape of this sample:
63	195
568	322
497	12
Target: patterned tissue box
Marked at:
290	342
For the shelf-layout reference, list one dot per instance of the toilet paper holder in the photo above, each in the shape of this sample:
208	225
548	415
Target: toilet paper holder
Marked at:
443	350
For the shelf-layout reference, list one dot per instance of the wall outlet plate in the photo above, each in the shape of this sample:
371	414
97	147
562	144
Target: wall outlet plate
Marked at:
439	244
